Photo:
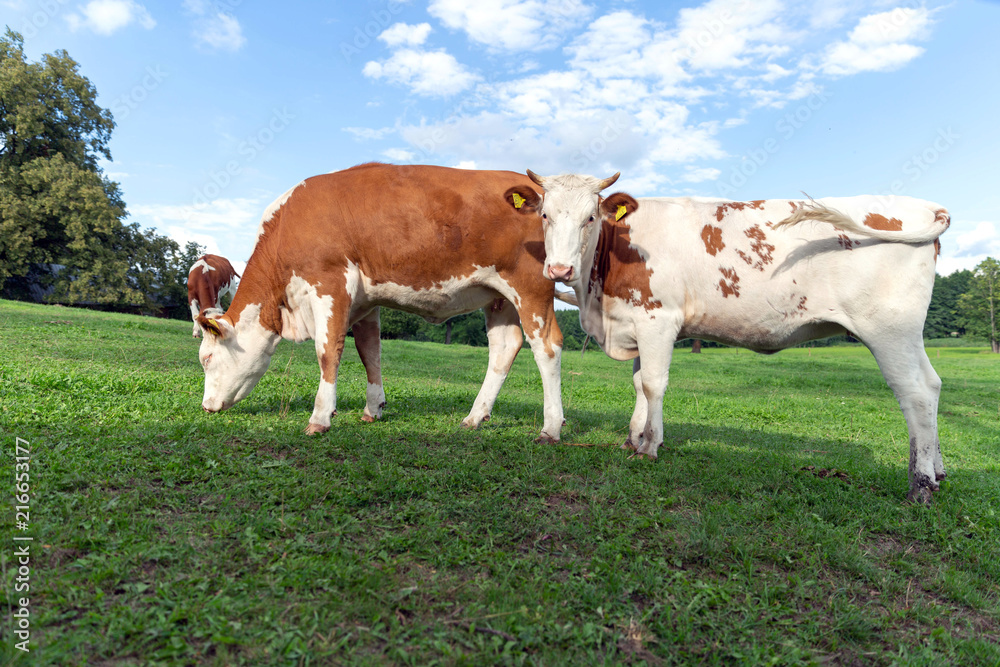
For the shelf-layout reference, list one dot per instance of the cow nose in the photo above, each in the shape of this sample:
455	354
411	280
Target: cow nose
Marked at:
560	272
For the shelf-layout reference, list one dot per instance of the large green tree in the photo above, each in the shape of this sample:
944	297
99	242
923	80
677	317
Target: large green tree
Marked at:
56	205
943	317
980	305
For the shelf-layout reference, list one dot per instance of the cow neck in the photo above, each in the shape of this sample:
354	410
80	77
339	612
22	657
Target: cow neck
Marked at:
590	291
259	286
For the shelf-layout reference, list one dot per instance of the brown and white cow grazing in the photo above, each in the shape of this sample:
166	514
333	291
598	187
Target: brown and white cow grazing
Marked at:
764	275
209	279
429	240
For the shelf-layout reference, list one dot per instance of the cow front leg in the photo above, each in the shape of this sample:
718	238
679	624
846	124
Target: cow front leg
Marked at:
503	330
546	346
329	350
366	338
655	355
637	424
195	311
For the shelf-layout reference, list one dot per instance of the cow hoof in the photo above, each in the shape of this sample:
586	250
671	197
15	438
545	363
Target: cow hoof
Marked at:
472	424
546	439
641	457
367	418
628	445
313	429
920	496
940	475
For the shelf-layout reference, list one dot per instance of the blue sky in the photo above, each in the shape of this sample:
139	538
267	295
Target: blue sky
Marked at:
223	105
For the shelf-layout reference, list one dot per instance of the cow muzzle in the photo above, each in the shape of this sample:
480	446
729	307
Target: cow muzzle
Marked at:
560	272
215	406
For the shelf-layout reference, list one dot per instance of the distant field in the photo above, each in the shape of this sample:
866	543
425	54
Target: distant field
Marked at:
773	529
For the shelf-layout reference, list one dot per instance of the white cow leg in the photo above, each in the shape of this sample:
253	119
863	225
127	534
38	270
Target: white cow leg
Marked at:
935	380
329	349
655	375
917	387
638	422
195	310
550	367
503	330
366	338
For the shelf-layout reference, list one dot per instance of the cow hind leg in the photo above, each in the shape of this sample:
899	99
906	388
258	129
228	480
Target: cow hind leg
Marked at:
503	330
637	424
329	350
917	387
366	338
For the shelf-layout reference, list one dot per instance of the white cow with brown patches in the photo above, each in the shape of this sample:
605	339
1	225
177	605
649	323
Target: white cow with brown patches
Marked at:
209	279
429	240
764	275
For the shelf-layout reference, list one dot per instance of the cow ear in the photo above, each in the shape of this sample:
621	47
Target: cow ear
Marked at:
523	198
618	205
212	326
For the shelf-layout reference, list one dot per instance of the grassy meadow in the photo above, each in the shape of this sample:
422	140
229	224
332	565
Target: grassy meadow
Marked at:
773	529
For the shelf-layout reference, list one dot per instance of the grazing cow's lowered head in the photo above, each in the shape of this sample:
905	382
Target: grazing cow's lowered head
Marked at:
234	355
572	213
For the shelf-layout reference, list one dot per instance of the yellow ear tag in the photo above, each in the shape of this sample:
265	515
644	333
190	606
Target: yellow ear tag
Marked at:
518	200
215	327
621	212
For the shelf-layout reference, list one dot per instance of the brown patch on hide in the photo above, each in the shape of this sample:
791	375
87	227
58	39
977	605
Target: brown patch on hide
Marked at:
723	210
729	284
712	237
882	223
763	251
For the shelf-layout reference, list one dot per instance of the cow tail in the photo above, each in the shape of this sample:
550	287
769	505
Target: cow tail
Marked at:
813	210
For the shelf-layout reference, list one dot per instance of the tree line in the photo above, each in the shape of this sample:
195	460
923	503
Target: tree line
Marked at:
63	239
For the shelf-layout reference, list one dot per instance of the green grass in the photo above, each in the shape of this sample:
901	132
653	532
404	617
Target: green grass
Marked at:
772	530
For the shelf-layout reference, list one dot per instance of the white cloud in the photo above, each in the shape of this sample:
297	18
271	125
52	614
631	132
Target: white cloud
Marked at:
512	25
632	92
879	43
217	215
968	248
402	34
221	32
700	174
370	133
399	154
466	164
718	34
106	17
430	73
215	29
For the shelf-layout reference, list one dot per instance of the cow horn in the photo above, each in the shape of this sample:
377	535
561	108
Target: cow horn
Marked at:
607	182
538	180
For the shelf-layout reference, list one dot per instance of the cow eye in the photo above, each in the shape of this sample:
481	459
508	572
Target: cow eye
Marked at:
544	217
591	220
